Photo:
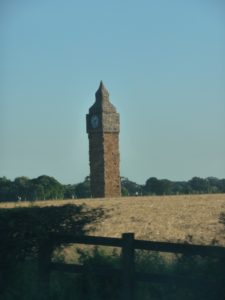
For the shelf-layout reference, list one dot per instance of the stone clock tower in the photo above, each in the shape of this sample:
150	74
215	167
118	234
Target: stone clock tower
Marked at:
103	128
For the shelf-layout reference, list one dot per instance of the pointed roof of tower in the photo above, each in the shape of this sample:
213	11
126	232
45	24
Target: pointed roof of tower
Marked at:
102	103
102	87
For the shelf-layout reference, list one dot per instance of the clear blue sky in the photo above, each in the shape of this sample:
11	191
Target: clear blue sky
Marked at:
164	66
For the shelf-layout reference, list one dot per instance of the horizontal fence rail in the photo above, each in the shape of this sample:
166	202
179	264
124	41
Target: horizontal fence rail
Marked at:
211	251
87	240
189	249
127	271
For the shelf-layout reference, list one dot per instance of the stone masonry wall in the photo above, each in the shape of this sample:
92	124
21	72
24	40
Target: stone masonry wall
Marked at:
96	157
104	164
111	165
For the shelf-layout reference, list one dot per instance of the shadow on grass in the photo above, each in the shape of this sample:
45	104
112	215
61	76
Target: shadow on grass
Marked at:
22	230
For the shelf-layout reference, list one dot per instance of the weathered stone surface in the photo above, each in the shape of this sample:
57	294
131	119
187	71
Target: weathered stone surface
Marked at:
102	103
111	164
104	146
108	122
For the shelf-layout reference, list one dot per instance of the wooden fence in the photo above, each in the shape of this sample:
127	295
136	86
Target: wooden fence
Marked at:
127	270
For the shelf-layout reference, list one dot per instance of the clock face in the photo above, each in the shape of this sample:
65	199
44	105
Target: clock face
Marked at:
94	121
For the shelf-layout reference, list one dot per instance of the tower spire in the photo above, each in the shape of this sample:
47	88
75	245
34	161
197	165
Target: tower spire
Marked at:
102	102
102	92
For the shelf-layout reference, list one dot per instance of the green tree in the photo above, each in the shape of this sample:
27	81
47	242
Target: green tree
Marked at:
199	185
83	189
165	187
70	191
130	188
154	186
213	185
45	188
21	188
180	187
222	186
151	186
6	193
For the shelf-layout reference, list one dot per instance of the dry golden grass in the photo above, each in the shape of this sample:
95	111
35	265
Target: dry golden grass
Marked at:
193	218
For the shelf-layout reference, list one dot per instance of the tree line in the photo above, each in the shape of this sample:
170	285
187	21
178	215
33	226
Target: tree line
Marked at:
46	188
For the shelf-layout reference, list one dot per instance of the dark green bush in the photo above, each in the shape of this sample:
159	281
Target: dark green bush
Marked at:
194	267
22	230
98	286
90	286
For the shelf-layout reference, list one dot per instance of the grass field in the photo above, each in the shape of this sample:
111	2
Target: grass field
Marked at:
186	218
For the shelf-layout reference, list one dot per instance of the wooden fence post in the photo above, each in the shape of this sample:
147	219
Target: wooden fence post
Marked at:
128	266
223	281
44	260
